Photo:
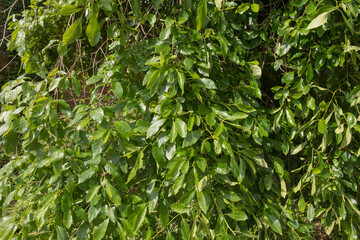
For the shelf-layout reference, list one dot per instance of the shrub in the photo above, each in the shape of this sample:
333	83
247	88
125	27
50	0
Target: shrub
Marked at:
182	120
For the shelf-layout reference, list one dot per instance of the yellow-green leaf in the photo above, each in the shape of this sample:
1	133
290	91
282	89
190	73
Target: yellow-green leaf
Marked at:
238	215
93	30
201	14
318	21
69	10
73	32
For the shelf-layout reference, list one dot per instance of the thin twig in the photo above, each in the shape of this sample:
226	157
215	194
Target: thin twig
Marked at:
8	63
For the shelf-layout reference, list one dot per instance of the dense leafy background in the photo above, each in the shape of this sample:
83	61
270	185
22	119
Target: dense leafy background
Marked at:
182	120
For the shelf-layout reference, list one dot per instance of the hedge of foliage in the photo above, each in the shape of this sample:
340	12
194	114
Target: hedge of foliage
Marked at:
161	119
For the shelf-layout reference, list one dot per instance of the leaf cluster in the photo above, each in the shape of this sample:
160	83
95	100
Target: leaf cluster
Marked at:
182	120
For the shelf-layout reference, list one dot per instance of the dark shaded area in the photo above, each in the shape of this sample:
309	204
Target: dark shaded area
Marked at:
9	62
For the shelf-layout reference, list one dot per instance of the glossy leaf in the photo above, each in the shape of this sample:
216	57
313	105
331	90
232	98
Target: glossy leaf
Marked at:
290	116
155	127
320	20
191	138
181	127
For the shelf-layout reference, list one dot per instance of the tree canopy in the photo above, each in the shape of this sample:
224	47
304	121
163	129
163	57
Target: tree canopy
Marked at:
209	119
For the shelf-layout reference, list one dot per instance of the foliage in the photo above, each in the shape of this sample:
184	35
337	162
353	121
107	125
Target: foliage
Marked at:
182	120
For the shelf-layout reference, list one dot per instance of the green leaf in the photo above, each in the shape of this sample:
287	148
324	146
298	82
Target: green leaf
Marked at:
311	103
322	126
170	151
181	127
97	114
131	175
310	212
73	32
283	187
268	181
4	128
301	204
243	8
154	128
274	223
185	229
92	193
298	3
159	154
93	212
207	83
256	71
142	126
61	233
210	119
114	195
93	30
165	33
218	4
242	168
318	21
201	163
67	219
288	77
353	233
66	201
173	133
298	148
135	4
181	80
179	208
76	86
61	49
223	45
117	89
188	4
137	218
100	230
163	214
278	165
290	116
201	14
238	215
260	161
347	138
93	79
54	84
123	128
191	138
83	231
204	201
219	130
188	63
255	7
86	175
153	199
69	10
351	119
